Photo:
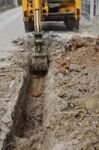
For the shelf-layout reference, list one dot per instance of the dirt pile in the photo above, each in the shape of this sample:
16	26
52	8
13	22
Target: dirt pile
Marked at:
61	110
72	97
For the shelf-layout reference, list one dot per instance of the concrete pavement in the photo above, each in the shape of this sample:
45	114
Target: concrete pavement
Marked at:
11	27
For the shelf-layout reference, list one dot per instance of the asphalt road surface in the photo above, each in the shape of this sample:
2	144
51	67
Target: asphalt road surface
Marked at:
11	27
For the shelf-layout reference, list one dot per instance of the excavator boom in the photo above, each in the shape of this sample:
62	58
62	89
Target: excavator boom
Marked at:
39	59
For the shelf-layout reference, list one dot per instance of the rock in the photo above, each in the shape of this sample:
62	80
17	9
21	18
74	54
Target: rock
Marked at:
85	72
70	105
6	118
66	47
3	128
97	48
67	72
61	93
76	37
73	94
92	103
62	71
74	67
97	41
58	146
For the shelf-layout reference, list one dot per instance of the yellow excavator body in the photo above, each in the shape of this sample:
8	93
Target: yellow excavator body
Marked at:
37	11
51	10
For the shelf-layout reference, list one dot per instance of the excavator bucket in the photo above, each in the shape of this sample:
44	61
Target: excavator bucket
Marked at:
39	58
39	64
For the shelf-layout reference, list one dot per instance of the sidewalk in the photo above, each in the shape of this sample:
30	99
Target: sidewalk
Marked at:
11	27
5	8
96	20
6	5
90	27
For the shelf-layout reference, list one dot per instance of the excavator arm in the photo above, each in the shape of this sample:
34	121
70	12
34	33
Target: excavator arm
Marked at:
37	12
39	60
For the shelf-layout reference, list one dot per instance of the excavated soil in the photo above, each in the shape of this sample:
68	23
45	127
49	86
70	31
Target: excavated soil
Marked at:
59	110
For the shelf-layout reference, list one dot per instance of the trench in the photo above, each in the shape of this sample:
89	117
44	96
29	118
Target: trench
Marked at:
28	115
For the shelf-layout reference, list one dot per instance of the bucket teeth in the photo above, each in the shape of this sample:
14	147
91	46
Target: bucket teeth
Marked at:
39	64
39	56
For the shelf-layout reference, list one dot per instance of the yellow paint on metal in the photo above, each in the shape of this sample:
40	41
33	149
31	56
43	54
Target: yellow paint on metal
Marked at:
67	6
45	8
37	4
24	5
37	14
77	2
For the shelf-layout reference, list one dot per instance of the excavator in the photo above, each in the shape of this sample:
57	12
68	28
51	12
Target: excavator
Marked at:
37	11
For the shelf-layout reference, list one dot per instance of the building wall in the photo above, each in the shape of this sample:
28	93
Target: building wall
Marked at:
90	8
97	8
5	4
